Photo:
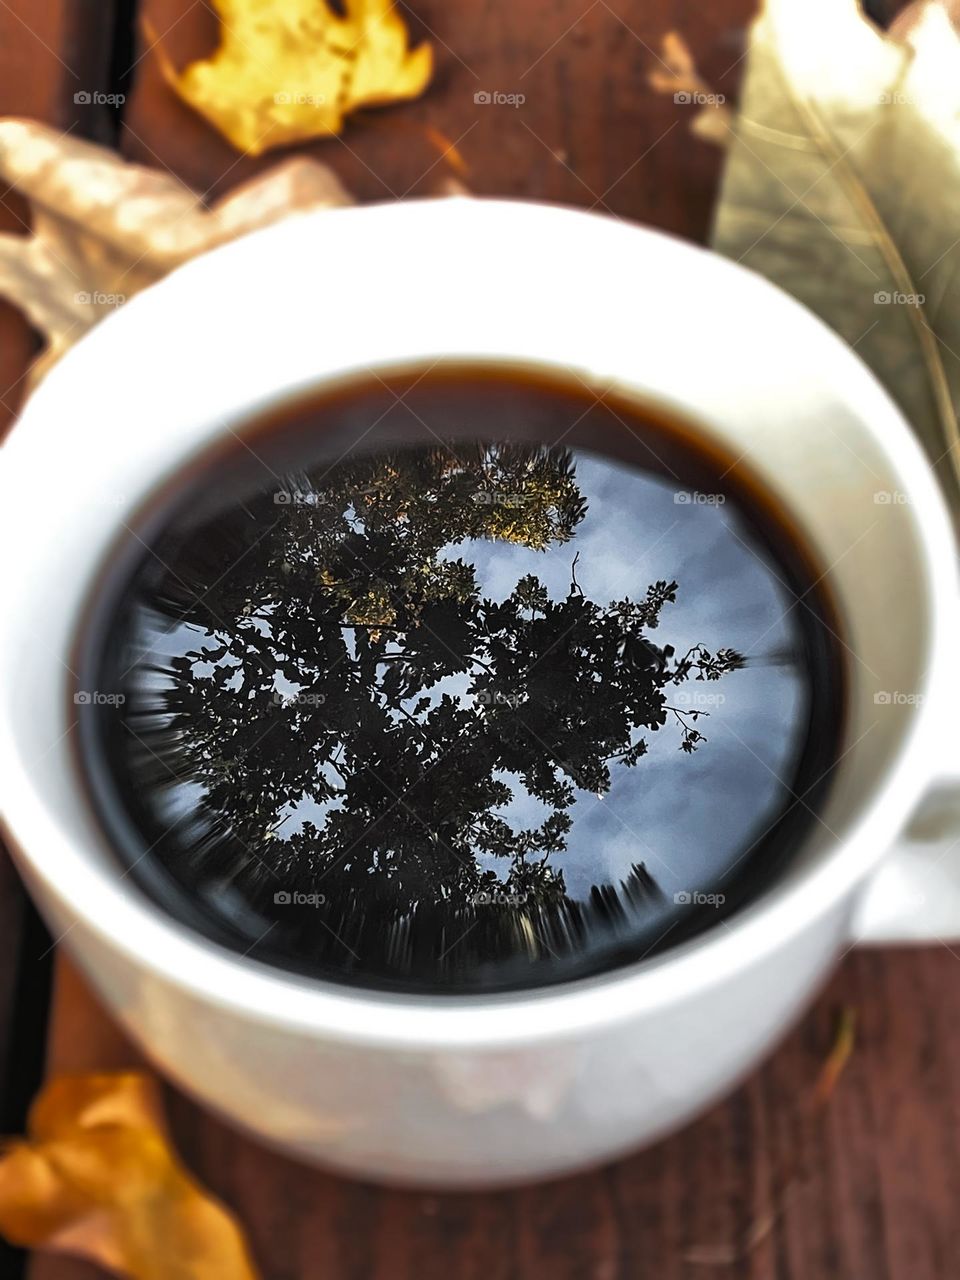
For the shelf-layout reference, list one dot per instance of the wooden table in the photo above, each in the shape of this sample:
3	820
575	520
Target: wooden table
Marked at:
869	1190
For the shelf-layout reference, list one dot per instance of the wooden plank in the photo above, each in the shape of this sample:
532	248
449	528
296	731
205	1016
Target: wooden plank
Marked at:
590	133
871	1187
49	55
880	1172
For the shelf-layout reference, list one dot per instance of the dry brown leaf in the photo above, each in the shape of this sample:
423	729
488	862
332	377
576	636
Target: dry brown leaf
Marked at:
96	1177
103	229
678	75
292	69
841	185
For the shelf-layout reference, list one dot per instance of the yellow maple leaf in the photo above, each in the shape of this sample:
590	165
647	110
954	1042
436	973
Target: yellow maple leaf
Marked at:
286	70
97	1178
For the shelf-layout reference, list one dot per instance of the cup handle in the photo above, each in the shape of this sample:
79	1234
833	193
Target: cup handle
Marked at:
914	896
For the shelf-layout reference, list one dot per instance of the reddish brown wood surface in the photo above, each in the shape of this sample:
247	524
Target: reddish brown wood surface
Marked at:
867	1191
48	53
45	55
590	132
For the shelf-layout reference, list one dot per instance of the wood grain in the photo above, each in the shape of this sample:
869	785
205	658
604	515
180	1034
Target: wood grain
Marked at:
49	53
868	1190
590	132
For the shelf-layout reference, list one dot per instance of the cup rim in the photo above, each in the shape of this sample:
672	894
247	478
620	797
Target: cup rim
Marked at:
165	950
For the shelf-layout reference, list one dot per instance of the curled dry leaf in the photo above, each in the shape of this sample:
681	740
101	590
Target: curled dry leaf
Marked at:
103	229
96	1177
293	69
677	74
842	185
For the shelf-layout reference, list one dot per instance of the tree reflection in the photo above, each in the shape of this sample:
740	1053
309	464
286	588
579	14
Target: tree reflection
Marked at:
360	721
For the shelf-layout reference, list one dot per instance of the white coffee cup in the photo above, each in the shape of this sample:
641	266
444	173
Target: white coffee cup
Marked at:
484	1089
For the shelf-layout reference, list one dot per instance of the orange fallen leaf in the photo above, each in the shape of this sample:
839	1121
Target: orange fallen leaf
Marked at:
96	1177
293	69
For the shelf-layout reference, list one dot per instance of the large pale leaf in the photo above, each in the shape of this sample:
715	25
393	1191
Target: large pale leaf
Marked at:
842	185
102	228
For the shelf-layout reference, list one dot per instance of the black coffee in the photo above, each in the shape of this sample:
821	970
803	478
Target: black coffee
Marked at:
458	681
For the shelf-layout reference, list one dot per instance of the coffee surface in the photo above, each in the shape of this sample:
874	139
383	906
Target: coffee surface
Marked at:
458	684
